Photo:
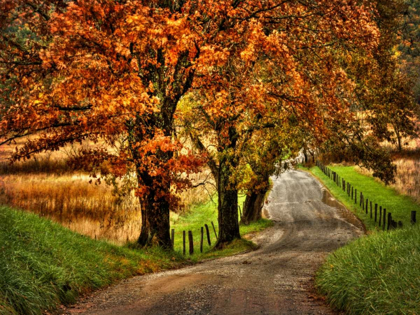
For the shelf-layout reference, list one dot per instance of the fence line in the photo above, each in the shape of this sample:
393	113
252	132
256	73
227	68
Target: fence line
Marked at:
205	231
387	223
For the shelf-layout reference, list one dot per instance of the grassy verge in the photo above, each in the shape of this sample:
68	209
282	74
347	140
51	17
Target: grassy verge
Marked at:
43	265
399	205
205	214
376	274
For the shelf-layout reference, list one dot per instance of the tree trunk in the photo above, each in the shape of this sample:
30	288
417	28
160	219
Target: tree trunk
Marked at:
253	207
155	208
155	222
399	141
228	210
145	233
254	203
227	195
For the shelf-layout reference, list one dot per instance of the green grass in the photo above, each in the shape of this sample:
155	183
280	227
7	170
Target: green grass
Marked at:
377	274
203	214
43	265
399	205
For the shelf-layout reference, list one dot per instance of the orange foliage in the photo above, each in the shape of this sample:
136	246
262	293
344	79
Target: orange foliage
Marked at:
116	71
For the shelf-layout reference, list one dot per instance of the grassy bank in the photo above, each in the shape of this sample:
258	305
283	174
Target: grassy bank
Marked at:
376	274
206	213
399	205
43	265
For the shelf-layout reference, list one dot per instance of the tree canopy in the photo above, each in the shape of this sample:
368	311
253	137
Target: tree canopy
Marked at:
115	72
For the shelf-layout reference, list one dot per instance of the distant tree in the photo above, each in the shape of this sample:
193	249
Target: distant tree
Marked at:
409	44
393	99
264	157
385	105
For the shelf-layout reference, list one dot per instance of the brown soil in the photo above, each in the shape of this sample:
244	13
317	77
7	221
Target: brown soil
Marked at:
275	279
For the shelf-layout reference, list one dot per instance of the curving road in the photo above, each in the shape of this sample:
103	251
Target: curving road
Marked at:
276	279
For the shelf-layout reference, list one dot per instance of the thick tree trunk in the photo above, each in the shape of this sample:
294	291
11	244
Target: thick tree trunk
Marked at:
155	209
254	204
228	213
227	203
253	207
145	233
155	222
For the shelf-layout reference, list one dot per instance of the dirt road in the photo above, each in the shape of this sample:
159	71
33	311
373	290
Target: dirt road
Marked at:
276	279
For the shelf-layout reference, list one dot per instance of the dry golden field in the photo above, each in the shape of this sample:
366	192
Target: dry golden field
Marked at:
47	186
71	200
407	179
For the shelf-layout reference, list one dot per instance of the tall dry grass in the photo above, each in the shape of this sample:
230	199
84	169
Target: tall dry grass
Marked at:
407	180
75	203
48	186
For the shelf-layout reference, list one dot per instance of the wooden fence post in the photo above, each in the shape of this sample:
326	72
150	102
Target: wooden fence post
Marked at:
183	243
389	220
352	193
371	209
214	229
355	196
173	237
202	239
191	241
394	224
380	215
367	205
376	211
384	216
361	199
208	234
413	217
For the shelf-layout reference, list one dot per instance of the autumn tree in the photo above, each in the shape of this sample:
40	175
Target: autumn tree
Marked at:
264	157
409	44
290	72
388	98
102	70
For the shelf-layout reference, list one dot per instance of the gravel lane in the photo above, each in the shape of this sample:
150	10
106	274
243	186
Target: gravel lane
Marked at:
275	279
